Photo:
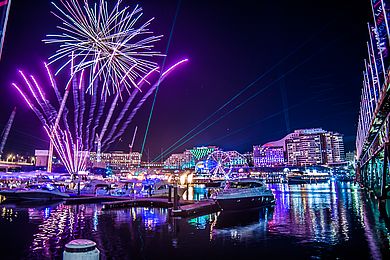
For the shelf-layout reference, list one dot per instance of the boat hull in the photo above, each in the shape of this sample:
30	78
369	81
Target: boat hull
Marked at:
245	203
32	195
299	180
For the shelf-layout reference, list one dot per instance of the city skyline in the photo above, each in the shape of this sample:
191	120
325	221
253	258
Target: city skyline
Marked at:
273	106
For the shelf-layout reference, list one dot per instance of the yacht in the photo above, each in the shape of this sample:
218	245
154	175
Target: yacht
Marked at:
159	189
299	177
243	194
41	192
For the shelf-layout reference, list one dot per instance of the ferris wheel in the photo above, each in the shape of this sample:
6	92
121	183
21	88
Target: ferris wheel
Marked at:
219	164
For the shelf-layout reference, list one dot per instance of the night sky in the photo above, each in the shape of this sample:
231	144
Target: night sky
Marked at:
307	58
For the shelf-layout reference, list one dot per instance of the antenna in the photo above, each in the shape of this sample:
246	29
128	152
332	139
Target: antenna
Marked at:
132	142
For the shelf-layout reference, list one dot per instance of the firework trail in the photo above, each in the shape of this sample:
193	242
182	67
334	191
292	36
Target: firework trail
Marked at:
106	43
128	103
82	104
88	139
76	104
107	51
107	142
73	141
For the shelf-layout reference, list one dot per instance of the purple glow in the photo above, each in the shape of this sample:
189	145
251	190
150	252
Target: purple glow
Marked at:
24	96
39	89
81	79
174	66
29	85
147	75
50	75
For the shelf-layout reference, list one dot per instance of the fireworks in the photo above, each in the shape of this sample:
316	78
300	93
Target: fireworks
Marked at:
107	52
108	44
85	129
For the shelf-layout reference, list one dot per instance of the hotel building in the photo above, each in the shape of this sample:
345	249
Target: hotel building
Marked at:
304	147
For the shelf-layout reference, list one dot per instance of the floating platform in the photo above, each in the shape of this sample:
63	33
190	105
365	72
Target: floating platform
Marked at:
196	209
142	202
187	208
91	199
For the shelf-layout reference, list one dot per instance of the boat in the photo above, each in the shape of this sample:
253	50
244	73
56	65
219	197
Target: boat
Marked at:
159	188
299	177
34	192
243	194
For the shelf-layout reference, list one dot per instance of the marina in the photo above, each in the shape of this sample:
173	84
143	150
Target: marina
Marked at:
153	130
339	231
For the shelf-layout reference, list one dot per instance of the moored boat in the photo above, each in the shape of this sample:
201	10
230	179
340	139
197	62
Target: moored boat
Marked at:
298	177
243	194
41	192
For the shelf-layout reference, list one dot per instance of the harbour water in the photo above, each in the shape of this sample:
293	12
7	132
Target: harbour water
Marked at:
332	220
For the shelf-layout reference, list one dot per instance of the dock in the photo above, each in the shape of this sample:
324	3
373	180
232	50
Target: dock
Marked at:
186	208
143	202
90	199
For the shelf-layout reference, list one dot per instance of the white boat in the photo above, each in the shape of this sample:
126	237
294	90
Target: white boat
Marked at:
41	192
159	189
243	194
299	177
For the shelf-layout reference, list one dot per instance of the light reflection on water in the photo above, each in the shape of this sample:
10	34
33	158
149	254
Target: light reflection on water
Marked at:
330	220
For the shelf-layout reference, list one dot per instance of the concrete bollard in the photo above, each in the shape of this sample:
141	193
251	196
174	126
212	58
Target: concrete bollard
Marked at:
81	249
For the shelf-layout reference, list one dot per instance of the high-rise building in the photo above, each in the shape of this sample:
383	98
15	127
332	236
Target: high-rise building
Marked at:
306	148
303	147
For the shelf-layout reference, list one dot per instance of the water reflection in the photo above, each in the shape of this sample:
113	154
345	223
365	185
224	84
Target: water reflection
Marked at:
238	226
333	220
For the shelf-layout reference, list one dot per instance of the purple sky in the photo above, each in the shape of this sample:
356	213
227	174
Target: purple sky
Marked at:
309	54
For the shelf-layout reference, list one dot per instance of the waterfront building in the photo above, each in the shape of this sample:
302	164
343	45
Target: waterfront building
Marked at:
118	160
202	152
249	158
307	148
152	164
303	147
183	160
315	147
41	157
237	159
350	156
268	156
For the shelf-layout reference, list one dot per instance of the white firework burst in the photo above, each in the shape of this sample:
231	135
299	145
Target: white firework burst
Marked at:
108	44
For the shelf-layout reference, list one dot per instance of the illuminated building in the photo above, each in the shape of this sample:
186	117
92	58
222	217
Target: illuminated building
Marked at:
201	153
314	147
350	157
152	164
118	160
237	159
41	157
189	158
268	156
249	158
303	147
180	161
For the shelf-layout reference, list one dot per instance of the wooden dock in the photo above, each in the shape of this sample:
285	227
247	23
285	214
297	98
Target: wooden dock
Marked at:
142	202
91	199
187	208
196	209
